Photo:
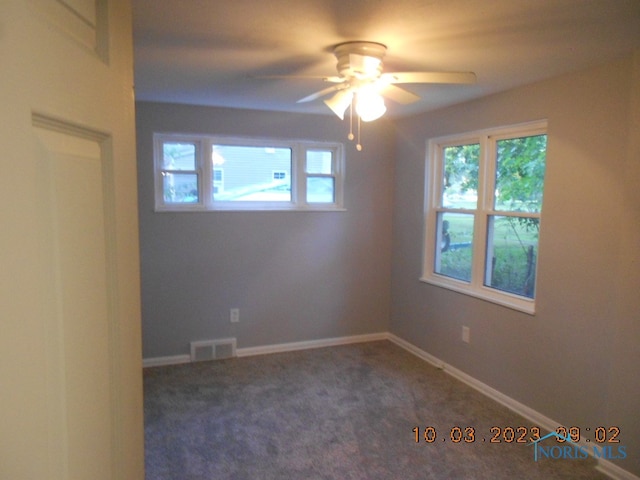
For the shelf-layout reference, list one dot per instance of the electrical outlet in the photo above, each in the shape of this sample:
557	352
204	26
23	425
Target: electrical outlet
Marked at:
466	334
234	315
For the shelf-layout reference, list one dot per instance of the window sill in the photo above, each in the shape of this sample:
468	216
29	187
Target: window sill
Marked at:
249	208
504	299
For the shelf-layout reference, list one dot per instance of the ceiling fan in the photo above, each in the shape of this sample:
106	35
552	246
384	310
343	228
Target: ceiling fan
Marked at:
361	82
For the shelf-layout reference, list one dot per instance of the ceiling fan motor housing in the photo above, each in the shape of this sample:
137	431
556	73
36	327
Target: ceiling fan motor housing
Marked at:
361	60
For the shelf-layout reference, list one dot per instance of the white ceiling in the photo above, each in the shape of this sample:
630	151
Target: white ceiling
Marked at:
208	52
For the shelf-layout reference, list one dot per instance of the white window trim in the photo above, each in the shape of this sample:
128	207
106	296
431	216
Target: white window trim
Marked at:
204	169
476	287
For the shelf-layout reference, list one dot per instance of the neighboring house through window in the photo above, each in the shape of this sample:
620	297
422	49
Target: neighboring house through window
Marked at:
483	213
220	173
218	180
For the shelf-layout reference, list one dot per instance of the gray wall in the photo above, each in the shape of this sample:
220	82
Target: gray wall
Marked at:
295	276
577	360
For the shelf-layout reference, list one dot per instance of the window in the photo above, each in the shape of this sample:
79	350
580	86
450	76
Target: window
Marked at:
218	180
218	173
483	211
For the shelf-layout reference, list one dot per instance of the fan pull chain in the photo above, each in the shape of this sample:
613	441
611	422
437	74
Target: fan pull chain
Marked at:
350	136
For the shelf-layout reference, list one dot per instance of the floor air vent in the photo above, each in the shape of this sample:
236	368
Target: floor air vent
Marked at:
213	349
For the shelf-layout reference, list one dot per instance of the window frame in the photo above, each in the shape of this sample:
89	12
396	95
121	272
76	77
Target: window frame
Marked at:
434	165
205	169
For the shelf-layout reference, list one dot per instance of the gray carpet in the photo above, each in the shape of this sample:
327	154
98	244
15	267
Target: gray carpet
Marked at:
343	413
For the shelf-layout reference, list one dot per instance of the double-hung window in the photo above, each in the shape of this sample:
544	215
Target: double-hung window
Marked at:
195	172
483	211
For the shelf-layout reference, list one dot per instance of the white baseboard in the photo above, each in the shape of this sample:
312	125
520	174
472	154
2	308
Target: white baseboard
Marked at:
278	348
519	408
605	466
613	471
164	361
327	342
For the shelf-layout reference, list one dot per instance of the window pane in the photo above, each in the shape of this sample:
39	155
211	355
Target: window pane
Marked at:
180	187
248	173
454	245
320	161
320	190
178	156
512	250
520	166
460	176
218	181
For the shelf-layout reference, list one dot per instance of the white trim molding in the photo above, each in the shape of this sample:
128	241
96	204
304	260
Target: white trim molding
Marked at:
328	342
165	361
277	348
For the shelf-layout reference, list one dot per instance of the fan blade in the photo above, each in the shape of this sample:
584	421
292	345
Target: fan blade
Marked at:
430	77
321	93
399	95
334	79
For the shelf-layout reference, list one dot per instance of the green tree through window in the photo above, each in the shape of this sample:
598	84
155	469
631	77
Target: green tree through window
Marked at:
486	208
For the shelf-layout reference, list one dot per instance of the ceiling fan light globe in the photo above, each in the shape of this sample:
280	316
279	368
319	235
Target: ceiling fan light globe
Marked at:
370	106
